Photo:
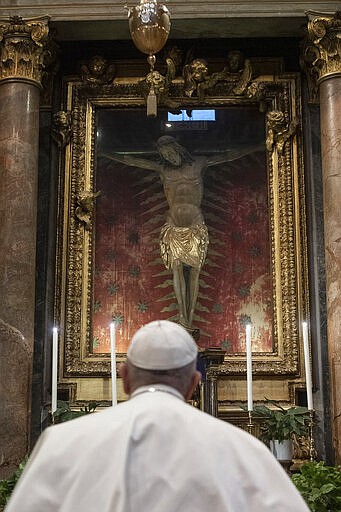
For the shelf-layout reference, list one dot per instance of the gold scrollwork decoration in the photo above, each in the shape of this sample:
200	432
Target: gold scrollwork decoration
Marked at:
285	202
22	46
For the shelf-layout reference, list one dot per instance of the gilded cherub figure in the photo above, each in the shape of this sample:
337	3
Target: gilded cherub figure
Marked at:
195	77
279	130
98	71
84	210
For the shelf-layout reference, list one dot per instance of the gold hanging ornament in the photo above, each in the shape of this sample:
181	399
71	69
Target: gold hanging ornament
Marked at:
149	25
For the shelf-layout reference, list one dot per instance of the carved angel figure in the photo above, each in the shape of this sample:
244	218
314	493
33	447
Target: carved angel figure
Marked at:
62	128
84	210
195	76
237	68
279	130
98	71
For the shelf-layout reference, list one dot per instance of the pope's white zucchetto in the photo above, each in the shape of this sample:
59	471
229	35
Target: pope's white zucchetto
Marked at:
162	345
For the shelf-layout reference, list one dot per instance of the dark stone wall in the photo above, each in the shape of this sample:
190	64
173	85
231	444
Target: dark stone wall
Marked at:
45	273
317	280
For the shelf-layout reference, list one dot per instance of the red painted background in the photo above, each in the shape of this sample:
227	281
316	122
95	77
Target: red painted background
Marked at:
131	284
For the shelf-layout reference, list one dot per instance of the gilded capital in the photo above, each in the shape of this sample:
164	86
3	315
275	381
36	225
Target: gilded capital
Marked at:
22	49
321	56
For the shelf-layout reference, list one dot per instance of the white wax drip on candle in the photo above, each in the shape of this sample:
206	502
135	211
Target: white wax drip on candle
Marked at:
307	366
54	378
113	362
249	368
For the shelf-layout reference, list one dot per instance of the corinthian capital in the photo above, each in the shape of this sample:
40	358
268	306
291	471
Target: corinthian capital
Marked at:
321	56
22	48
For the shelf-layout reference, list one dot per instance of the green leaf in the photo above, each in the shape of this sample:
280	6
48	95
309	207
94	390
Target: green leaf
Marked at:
320	486
280	423
7	486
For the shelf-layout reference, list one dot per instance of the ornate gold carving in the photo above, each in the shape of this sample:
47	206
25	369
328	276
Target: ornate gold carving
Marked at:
286	208
321	49
62	128
279	130
194	81
159	83
98	71
196	76
237	70
302	451
85	208
23	49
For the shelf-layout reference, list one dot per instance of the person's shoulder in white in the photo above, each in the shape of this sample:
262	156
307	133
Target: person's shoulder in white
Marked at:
154	451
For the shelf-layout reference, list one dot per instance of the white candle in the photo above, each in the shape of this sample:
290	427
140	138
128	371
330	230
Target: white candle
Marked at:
54	383
113	362
249	368
307	366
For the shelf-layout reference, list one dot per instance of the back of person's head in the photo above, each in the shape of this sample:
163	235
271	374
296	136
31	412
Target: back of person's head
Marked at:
162	352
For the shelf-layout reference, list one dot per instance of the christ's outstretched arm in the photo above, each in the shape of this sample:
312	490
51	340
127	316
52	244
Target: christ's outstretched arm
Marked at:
142	163
233	154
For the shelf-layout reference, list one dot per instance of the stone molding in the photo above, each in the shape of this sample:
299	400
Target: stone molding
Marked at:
114	10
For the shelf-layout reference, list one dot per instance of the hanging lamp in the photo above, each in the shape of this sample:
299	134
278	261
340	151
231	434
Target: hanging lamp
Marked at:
149	24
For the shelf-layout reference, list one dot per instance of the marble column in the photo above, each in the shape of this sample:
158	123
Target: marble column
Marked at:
22	48
323	51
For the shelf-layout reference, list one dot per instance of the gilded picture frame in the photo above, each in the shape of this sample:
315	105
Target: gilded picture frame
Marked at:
277	97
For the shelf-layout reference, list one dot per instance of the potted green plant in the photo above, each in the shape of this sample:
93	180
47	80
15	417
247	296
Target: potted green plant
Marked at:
280	424
7	486
320	486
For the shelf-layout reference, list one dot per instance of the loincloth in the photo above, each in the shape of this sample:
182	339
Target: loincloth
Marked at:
185	245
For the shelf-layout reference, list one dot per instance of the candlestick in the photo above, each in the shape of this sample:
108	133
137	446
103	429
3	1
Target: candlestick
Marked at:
113	362
250	424
249	368
312	451
54	383
307	367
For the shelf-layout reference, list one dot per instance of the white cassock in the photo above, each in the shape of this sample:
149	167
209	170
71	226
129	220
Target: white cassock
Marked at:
153	453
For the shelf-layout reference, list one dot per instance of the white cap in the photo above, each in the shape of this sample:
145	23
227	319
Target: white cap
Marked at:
162	345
